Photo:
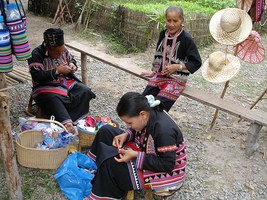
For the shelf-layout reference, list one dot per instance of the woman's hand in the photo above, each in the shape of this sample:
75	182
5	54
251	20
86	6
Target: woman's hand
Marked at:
126	155
170	69
64	69
119	140
73	67
147	74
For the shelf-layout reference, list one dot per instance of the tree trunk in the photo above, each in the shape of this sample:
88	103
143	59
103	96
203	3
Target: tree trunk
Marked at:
7	146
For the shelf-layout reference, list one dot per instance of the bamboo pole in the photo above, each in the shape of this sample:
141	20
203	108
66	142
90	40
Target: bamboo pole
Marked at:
59	7
260	97
227	83
257	101
217	110
7	146
84	68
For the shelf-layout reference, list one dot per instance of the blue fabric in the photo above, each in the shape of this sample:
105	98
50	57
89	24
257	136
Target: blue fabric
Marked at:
75	175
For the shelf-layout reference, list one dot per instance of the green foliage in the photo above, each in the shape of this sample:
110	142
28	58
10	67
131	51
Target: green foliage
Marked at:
188	7
200	6
117	44
215	4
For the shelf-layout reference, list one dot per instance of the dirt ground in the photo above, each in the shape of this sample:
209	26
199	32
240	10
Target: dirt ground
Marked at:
218	157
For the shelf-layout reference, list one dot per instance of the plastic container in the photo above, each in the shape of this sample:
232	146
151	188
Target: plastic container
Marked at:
4	33
6	63
12	13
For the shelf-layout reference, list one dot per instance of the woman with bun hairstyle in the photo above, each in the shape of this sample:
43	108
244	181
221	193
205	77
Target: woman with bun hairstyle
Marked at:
150	154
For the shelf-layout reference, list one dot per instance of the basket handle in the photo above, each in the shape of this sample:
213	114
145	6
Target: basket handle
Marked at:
47	120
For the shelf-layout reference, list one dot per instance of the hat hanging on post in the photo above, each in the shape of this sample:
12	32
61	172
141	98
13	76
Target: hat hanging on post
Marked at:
220	67
230	26
251	49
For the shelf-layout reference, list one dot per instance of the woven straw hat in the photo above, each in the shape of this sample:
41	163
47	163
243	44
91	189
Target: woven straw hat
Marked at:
220	67
230	26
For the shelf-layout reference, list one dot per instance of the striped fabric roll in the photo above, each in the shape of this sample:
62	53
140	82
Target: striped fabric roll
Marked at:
6	63
19	40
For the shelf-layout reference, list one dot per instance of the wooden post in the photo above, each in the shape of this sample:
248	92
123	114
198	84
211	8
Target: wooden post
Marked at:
149	194
84	68
253	133
7	146
217	110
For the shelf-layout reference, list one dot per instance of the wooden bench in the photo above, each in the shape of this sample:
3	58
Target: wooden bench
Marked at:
257	118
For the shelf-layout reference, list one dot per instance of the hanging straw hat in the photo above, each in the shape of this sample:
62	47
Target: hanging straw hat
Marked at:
230	26
220	67
251	50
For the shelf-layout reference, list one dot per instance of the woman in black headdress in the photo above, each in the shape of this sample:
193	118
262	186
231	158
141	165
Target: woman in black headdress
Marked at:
56	89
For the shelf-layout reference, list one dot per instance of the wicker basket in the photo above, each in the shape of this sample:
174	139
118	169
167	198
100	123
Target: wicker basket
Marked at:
85	138
28	156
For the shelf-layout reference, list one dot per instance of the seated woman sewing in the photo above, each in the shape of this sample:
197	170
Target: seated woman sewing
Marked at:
151	153
56	89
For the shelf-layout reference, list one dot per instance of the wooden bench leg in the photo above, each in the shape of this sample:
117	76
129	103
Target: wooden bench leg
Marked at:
130	195
149	194
253	133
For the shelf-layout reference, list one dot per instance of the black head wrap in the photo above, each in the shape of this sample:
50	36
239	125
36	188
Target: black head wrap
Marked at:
53	37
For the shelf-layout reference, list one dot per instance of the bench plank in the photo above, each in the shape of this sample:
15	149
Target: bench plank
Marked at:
105	58
254	116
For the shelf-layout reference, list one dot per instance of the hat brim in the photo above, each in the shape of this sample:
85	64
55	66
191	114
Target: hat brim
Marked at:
234	37
227	72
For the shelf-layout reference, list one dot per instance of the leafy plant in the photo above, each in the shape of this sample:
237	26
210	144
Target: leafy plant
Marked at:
116	43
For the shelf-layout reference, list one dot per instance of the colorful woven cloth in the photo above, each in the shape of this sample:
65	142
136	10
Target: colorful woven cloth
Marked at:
19	40
259	4
5	49
93	124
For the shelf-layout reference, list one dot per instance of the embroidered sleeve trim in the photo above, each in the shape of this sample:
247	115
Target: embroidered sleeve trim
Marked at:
36	65
167	148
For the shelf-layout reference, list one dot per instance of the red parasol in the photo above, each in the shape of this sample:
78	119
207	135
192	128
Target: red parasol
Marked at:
251	49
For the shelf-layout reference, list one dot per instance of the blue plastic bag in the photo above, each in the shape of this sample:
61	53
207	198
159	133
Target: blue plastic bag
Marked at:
74	176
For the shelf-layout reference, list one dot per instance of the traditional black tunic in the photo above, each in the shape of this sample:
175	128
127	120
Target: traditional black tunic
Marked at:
160	163
168	88
65	97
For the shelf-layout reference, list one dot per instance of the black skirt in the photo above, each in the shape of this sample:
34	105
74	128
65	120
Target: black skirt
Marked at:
66	109
113	179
